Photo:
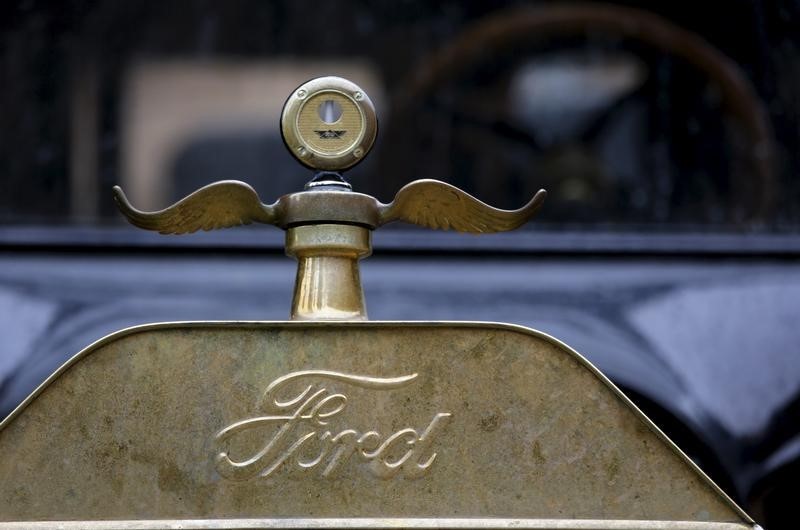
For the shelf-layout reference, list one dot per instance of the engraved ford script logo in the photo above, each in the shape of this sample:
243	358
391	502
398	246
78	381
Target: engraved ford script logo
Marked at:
308	430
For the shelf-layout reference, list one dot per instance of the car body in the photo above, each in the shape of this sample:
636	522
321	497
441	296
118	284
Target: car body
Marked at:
667	253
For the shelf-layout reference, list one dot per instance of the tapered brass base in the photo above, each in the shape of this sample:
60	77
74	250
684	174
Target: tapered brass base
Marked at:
328	283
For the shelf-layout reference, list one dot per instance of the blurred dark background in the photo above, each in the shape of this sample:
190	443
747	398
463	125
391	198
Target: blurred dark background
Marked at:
677	117
666	133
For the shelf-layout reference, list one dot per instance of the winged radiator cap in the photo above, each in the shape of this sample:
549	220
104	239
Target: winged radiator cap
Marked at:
328	225
427	203
330	421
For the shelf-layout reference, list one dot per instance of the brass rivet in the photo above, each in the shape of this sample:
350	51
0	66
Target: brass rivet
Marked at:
358	152
301	93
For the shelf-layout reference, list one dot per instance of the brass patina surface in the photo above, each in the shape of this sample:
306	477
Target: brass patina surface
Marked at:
348	425
427	203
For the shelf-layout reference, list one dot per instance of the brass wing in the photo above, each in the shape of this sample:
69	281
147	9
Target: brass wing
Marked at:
435	204
219	205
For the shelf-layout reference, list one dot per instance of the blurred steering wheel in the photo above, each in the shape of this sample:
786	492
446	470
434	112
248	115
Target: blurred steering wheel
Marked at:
482	43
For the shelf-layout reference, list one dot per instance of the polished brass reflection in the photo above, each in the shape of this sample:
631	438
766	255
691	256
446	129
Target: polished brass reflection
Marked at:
328	225
328	284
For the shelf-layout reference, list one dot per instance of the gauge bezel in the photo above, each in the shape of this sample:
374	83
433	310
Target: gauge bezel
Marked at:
302	150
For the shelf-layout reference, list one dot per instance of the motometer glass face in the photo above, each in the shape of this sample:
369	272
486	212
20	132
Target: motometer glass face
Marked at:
329	123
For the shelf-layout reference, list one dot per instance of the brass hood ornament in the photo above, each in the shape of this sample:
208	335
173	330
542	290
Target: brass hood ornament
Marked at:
348	424
329	125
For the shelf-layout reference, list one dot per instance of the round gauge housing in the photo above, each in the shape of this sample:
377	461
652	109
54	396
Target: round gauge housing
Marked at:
329	124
